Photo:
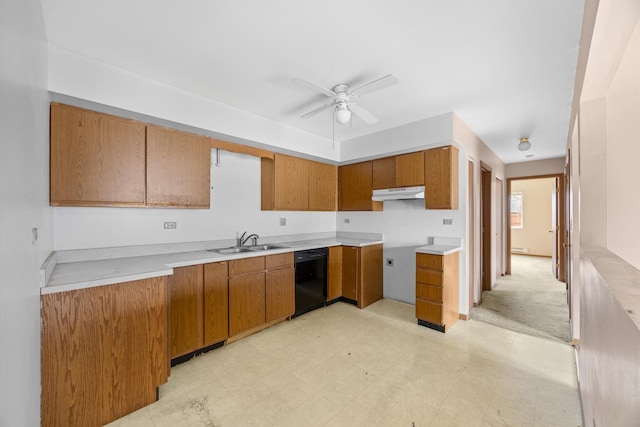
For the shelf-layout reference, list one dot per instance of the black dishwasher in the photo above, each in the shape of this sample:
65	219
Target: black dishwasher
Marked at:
311	279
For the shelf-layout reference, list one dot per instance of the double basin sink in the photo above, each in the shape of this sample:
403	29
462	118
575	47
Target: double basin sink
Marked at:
240	249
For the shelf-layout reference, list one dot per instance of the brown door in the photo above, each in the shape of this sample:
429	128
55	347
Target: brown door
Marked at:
485	201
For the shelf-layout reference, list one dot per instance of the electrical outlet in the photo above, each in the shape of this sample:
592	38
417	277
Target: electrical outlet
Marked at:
389	262
347	220
447	221
170	225
283	221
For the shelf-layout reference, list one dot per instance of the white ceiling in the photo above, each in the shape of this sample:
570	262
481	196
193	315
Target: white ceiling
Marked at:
505	67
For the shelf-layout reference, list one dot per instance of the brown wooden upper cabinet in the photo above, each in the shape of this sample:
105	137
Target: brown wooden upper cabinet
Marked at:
441	178
178	168
405	170
355	187
295	184
96	159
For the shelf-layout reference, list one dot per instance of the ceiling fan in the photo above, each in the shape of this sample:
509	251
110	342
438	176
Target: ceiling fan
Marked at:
342	99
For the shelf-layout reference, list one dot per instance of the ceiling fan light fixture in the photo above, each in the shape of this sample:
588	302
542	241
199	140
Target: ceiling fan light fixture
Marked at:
524	144
342	114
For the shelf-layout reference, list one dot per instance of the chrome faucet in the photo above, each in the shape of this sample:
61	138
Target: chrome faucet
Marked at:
240	241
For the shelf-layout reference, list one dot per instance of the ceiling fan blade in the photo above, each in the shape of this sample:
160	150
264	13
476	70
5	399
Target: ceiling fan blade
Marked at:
381	83
317	110
314	87
366	116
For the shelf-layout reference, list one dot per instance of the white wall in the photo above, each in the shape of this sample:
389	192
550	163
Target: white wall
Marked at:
535	168
235	207
24	171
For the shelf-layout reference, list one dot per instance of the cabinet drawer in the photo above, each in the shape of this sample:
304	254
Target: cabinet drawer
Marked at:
429	261
429	277
429	292
431	312
240	267
274	262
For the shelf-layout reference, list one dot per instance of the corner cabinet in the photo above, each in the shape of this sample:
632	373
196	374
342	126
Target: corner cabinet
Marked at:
355	188
437	290
295	184
362	275
95	159
104	351
178	169
441	178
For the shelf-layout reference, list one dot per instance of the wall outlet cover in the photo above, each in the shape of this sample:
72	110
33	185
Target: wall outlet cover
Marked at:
171	225
283	221
347	220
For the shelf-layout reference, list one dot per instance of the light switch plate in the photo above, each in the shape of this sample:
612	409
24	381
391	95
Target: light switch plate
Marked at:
447	221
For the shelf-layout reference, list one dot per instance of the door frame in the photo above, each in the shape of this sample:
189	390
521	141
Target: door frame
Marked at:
471	274
561	226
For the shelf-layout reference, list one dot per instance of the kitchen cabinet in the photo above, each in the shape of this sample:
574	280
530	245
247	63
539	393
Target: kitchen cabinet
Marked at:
334	273
323	187
186	310
216	302
198	307
441	178
246	294
437	290
362	275
178	168
103	351
355	186
95	159
294	184
279	287
405	170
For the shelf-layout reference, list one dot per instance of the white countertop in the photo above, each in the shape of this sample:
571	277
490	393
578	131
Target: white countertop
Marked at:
85	274
438	249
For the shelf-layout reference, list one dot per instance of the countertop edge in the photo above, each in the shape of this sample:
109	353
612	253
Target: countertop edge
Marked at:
170	261
438	249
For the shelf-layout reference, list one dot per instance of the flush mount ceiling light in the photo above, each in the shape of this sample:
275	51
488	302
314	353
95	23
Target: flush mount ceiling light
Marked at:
342	114
524	144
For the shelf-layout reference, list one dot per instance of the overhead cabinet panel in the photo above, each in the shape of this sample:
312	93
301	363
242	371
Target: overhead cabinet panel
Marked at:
96	159
178	168
441	178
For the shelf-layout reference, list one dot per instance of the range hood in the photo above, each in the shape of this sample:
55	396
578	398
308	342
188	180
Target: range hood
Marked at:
402	193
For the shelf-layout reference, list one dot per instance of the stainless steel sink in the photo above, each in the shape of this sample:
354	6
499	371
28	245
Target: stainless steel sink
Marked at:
240	249
230	251
264	247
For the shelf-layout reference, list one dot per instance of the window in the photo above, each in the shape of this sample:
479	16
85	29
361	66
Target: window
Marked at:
516	210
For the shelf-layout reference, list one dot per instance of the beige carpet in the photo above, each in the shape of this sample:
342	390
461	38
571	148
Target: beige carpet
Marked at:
530	300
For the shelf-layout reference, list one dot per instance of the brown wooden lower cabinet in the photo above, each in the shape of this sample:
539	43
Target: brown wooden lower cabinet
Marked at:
186	310
104	351
246	302
437	290
334	273
216	302
362	279
279	294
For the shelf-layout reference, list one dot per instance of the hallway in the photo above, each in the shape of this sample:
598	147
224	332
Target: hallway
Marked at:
530	301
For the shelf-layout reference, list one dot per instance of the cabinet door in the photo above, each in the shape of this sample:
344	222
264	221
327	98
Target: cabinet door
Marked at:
334	273
104	351
441	178
96	159
384	173
246	302
350	272
186	302
323	187
216	302
178	168
410	169
355	188
370	279
291	176
280	294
